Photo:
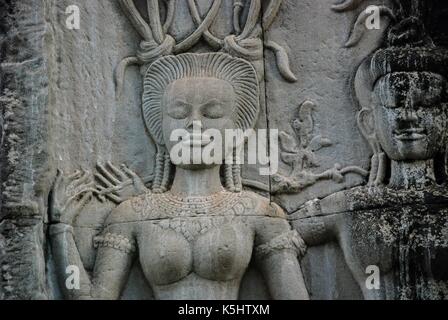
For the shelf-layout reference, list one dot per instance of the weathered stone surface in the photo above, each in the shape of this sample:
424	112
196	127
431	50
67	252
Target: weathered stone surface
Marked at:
23	152
88	179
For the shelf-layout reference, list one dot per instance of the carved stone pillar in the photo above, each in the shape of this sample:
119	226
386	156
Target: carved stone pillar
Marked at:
24	142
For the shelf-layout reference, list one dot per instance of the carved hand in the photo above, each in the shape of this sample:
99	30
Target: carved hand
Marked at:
118	184
70	195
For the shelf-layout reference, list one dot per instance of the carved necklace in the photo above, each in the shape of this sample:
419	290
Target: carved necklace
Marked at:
169	205
186	199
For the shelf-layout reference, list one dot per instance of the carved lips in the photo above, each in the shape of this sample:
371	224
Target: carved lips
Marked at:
196	139
411	134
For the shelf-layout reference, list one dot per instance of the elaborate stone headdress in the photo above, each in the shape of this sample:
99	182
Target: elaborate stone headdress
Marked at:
237	72
163	52
409	49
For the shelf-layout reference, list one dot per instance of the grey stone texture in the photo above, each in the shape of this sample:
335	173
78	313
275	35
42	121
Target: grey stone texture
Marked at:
87	179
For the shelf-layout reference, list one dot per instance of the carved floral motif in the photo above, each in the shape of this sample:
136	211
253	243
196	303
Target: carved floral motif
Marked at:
300	153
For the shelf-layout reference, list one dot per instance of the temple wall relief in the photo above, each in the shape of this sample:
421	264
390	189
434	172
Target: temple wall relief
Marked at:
89	180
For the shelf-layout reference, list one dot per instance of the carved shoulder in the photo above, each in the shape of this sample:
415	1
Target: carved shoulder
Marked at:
125	212
273	231
119	229
262	206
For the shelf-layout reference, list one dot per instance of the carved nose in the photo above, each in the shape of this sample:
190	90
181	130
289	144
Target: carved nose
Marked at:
408	115
194	123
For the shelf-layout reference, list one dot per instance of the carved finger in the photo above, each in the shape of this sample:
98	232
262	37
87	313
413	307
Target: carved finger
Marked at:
100	188
79	196
75	175
92	190
103	190
114	198
70	201
59	178
87	187
81	193
100	193
74	183
136	180
103	180
82	202
129	172
106	174
120	174
83	180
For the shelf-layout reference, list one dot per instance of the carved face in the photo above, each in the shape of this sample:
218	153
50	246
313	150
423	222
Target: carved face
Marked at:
410	117
203	107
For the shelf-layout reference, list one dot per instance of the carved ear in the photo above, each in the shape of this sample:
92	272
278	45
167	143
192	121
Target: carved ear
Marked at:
364	92
364	84
366	123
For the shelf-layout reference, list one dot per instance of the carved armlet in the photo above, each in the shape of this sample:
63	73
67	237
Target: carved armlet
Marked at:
288	241
116	241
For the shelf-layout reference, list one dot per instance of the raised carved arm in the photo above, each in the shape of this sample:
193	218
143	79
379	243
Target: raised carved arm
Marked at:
69	196
312	222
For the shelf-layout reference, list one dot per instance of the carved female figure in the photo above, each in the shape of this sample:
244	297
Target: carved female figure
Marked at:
399	221
196	231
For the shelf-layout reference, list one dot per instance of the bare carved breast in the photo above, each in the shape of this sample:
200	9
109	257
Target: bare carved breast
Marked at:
210	237
221	253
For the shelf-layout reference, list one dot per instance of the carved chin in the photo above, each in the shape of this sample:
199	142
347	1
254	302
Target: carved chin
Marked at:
199	166
410	149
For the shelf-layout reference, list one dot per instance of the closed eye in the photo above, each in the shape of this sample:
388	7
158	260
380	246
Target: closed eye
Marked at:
179	110
213	109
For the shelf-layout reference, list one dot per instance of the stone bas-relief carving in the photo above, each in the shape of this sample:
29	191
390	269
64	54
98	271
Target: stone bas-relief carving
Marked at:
398	222
245	41
231	26
359	27
152	230
195	236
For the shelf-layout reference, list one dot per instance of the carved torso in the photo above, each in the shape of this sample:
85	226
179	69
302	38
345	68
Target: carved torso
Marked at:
204	243
403	233
212	239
